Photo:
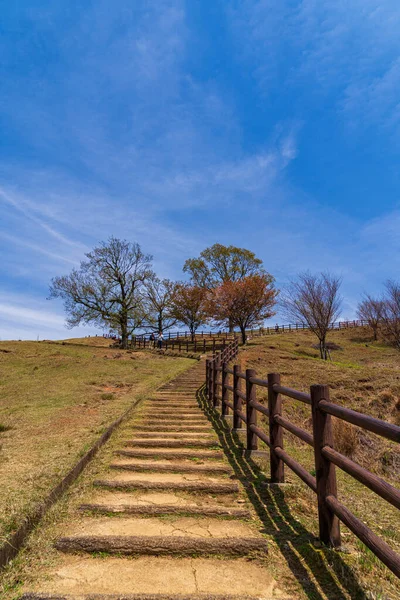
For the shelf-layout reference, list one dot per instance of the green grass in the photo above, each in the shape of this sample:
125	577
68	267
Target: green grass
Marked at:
55	401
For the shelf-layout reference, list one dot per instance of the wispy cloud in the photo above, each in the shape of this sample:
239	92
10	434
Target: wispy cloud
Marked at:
348	53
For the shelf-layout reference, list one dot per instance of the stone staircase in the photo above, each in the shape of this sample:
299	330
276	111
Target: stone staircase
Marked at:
169	520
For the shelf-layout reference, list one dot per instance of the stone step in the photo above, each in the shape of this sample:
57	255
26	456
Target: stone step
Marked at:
171	434
182	412
158	545
78	596
201	486
172	467
177	526
181	428
181	443
168	453
85	577
157	420
178	404
167	509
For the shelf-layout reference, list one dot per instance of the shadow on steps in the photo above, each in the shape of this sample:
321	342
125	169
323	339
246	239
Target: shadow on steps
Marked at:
293	539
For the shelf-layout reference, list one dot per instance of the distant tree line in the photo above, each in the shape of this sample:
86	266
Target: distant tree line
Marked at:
117	289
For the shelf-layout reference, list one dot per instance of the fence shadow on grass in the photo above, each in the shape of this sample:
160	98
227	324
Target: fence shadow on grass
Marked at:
295	542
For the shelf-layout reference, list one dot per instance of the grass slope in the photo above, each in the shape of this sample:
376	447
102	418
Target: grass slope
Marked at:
55	401
365	376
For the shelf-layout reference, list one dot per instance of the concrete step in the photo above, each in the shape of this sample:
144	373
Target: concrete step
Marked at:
171	434
176	527
85	577
137	545
163	443
179	484
157	421
166	405
55	596
182	412
181	428
167	509
211	467
170	453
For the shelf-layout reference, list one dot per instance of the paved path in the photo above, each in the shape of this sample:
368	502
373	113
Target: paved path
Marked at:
168	521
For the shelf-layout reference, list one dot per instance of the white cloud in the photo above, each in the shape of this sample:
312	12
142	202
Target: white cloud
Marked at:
347	52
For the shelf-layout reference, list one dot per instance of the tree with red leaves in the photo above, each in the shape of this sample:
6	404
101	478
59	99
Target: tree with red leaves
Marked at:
245	303
188	306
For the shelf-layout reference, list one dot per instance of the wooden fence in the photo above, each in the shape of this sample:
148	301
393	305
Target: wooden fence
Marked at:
173	335
261	331
224	382
202	345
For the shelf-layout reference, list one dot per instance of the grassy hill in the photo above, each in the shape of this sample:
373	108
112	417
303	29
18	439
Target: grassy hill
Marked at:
363	375
55	400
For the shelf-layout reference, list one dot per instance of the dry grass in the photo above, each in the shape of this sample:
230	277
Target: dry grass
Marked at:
365	376
55	401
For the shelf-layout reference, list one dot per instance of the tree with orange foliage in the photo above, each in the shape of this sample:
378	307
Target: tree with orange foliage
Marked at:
244	303
188	306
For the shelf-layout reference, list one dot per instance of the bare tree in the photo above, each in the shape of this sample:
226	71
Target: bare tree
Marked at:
391	313
107	289
314	300
159	295
370	310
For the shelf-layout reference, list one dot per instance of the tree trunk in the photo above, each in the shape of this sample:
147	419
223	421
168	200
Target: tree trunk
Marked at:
160	324
230	325
124	335
322	349
243	332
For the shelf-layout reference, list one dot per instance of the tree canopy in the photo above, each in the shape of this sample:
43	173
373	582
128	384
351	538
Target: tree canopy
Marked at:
243	303
189	306
218	264
108	288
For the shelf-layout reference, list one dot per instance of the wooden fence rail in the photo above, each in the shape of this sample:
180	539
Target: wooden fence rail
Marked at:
224	382
261	331
202	345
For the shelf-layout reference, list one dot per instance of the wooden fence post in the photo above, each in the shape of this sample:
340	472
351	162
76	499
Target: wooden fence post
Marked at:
215	382
275	430
329	529
224	394
237	401
211	380
251	413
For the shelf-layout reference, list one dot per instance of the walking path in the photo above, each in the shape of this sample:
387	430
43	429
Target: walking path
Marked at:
169	521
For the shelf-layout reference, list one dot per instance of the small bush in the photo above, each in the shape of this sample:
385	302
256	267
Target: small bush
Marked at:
107	396
345	437
4	427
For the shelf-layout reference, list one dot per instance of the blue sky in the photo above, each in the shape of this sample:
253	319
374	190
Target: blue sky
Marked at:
269	125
